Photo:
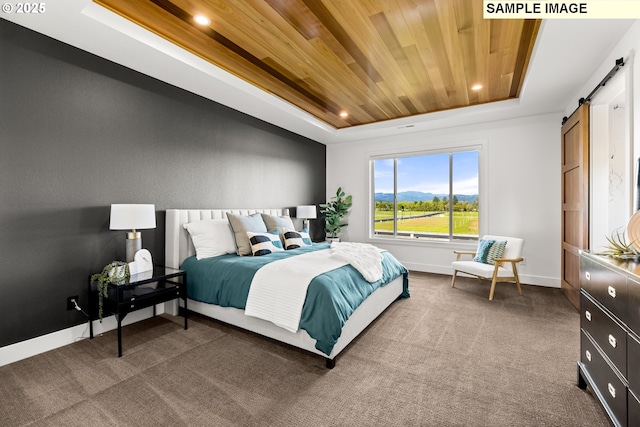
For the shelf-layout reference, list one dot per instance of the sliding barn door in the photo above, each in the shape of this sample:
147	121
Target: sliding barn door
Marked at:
575	200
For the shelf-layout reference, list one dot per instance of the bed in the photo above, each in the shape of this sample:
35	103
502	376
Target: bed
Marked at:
180	253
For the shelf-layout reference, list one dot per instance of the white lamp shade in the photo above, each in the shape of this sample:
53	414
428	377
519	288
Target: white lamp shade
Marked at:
132	217
306	212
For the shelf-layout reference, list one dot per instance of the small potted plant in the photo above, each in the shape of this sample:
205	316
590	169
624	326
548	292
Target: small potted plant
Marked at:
334	211
116	273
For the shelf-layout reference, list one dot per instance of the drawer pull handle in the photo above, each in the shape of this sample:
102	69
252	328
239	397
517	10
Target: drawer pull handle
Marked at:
587	314
612	341
612	390
612	291
587	353
587	275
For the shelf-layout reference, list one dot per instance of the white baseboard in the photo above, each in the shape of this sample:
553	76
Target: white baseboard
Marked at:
527	279
24	349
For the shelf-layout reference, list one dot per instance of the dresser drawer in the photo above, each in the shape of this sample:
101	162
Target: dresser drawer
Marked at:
633	305
633	363
606	286
606	332
633	410
606	382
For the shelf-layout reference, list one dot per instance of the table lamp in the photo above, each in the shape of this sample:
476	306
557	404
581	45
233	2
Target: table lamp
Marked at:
132	217
306	212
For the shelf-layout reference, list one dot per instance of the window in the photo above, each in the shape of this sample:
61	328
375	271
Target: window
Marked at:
430	196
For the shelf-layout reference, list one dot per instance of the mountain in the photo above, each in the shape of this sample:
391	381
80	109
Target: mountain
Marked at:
416	196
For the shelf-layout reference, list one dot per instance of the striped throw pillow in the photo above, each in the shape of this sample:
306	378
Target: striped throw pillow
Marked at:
483	250
496	251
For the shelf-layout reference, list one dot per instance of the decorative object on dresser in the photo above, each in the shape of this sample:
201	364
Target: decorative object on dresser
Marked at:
132	217
334	211
496	258
633	230
618	247
609	341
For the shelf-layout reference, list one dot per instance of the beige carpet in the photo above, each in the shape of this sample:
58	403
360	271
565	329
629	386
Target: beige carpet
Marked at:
444	357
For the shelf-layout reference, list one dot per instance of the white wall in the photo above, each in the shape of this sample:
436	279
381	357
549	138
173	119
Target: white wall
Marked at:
522	188
626	48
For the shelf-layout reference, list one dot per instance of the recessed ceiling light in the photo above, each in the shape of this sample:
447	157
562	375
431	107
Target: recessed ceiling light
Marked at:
344	114
476	87
202	20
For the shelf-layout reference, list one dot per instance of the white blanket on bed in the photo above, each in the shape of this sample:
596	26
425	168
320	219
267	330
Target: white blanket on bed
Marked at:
363	257
279	289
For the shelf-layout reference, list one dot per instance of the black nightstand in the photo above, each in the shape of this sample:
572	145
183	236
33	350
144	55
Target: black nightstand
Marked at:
141	291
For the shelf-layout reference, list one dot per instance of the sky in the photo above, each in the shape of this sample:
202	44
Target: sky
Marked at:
429	174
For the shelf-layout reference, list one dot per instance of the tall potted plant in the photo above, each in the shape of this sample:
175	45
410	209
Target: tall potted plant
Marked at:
334	211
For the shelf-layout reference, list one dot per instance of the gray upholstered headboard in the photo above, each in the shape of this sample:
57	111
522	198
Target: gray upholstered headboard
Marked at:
178	245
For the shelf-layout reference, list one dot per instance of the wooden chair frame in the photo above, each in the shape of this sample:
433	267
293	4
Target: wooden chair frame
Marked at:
495	278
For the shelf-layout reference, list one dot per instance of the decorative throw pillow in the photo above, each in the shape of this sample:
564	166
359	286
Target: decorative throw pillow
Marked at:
211	237
496	251
264	243
295	239
240	224
278	223
483	250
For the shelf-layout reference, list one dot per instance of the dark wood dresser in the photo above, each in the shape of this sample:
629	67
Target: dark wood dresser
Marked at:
609	342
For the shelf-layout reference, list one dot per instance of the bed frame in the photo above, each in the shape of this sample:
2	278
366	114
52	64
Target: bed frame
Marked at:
178	247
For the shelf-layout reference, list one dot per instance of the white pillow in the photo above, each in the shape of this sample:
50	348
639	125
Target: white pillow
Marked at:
211	237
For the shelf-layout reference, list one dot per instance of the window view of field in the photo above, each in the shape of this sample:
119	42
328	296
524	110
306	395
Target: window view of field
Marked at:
436	198
414	222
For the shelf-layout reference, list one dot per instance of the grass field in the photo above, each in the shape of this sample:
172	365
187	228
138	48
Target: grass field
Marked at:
463	223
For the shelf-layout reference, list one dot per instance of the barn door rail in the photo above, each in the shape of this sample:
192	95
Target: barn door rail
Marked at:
603	82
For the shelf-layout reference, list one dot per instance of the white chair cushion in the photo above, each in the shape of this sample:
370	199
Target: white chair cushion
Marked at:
480	269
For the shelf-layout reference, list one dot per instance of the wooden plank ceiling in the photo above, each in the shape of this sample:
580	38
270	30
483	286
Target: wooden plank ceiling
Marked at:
352	62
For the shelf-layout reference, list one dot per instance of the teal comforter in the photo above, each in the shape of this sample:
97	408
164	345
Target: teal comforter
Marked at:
331	297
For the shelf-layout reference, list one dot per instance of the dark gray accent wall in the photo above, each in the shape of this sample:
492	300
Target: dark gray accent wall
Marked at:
78	133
